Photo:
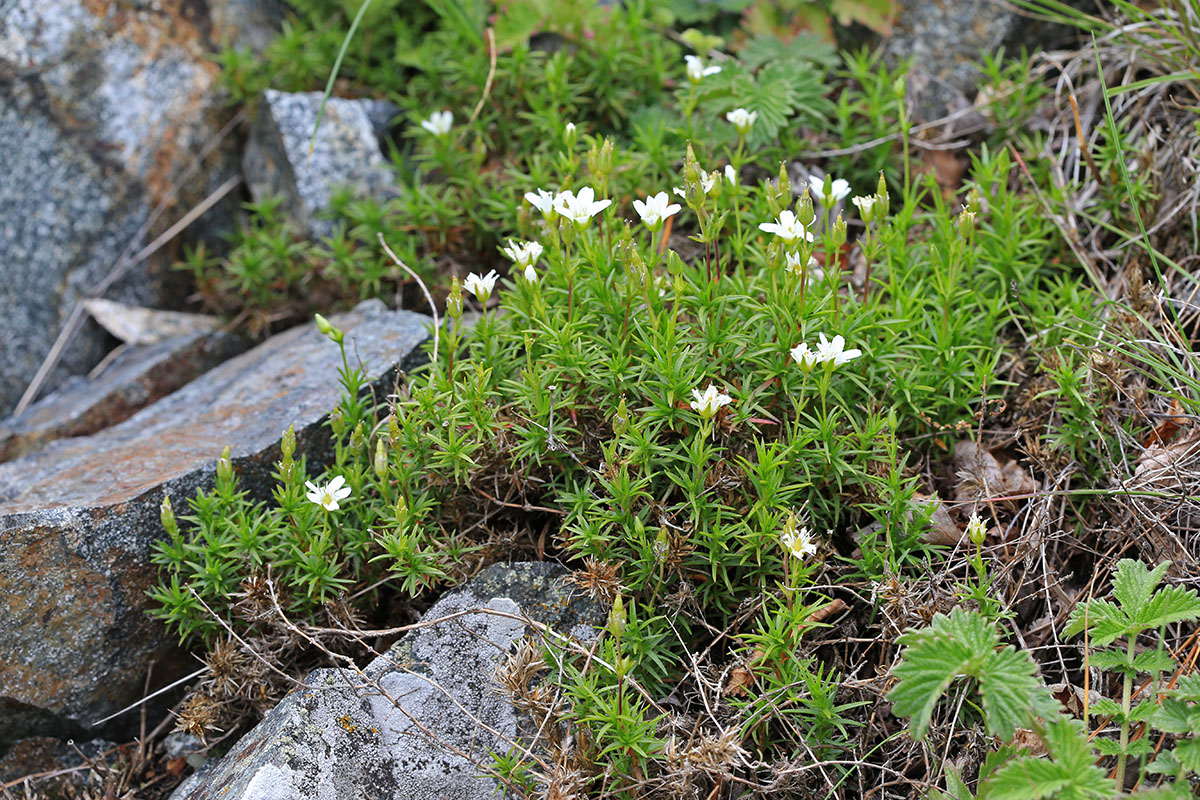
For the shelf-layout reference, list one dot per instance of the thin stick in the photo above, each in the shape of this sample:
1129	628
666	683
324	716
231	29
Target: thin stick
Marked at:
152	695
487	85
428	297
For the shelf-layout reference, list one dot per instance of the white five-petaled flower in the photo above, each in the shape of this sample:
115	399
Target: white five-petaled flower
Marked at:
793	264
710	402
656	209
796	539
543	201
696	71
866	206
807	359
481	286
731	174
327	496
439	123
524	254
580	208
788	228
835	353
742	119
839	188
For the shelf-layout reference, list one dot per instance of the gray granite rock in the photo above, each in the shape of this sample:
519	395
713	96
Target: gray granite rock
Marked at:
346	153
78	517
138	377
340	737
102	105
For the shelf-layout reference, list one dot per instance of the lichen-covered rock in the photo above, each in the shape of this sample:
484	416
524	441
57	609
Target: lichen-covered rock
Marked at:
78	517
436	720
102	106
345	153
135	379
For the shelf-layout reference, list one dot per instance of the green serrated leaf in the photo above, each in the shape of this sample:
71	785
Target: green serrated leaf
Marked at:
1107	659
965	644
1153	661
1107	747
1133	584
1173	716
1105	707
1187	688
1187	753
1169	604
1070	773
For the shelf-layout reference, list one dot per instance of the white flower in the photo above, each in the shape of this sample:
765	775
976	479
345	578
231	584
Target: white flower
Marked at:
530	273
524	254
439	123
707	182
696	71
866	206
656	209
327	496
482	287
742	119
731	174
976	529
793	264
834	353
708	404
580	208
807	359
796	539
543	201
788	228
839	187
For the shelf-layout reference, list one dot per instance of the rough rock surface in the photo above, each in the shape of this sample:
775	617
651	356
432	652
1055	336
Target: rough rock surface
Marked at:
340	737
135	379
346	153
102	106
77	518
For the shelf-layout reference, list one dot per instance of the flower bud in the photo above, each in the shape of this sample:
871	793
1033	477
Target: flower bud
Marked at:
899	87
337	423
804	209
662	545
356	437
454	300
976	530
225	467
287	444
570	135
616	617
393	431
779	195
167	515
620	423
882	200
401	510
966	223
839	231
328	330
381	460
827	191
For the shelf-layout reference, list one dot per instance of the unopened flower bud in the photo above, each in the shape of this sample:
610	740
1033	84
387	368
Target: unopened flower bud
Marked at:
225	466
337	423
966	223
327	329
620	423
356	437
381	460
393	432
616	617
804	209
882	201
287	444
839	231
167	515
779	194
899	87
401	510
454	300
570	135
662	545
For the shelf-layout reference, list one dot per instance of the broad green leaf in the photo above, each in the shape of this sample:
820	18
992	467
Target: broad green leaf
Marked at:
1133	583
1174	717
1069	774
961	645
1188	754
1170	604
